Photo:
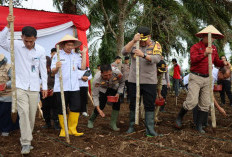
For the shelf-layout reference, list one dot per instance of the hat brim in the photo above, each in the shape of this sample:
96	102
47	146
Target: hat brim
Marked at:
214	35
77	43
144	39
162	70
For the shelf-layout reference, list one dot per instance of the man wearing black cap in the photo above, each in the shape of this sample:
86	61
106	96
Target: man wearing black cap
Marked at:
165	85
125	72
161	70
149	55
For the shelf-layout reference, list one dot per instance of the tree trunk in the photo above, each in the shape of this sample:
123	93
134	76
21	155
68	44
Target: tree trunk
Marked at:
121	21
69	7
120	36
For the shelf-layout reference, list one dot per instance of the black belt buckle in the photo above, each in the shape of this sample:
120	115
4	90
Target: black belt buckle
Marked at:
198	74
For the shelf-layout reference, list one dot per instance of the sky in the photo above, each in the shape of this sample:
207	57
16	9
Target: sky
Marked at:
47	5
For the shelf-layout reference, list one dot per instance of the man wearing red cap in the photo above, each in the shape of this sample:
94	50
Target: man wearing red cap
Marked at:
199	81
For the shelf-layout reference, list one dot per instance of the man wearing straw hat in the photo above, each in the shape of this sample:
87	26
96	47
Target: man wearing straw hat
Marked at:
149	55
69	64
30	60
199	81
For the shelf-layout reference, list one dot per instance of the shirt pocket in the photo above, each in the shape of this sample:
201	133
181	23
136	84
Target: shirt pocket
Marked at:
35	62
75	64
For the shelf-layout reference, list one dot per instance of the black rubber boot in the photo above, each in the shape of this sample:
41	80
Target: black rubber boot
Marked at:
47	125
149	122
180	117
205	121
56	125
200	118
132	122
195	111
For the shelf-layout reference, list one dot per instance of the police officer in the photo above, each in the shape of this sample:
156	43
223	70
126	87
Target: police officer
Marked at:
117	63
149	55
107	82
165	85
125	72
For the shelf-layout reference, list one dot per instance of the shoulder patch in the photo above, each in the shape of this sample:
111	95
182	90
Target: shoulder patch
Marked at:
119	76
157	49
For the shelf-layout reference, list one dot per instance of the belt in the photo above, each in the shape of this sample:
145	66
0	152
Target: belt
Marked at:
198	74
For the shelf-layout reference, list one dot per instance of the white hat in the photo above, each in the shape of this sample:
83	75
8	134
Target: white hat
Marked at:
2	56
68	37
215	33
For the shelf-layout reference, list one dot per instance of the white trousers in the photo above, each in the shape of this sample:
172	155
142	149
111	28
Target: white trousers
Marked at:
27	102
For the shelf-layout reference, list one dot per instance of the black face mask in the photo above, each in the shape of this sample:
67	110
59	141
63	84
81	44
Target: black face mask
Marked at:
4	61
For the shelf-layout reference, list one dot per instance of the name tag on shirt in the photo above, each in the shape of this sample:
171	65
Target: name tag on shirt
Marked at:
32	68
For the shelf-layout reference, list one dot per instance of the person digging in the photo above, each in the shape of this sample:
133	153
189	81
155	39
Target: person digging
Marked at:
107	82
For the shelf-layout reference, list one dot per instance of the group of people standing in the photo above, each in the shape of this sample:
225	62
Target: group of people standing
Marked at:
35	73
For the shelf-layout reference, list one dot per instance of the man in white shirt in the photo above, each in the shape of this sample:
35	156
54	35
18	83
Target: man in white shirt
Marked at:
30	60
84	77
69	64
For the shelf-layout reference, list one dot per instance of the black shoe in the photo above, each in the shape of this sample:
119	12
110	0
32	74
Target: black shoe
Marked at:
180	117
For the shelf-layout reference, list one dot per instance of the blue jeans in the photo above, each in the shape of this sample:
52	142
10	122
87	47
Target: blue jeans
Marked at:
6	124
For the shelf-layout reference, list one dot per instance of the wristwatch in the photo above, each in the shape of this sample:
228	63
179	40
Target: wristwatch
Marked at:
145	55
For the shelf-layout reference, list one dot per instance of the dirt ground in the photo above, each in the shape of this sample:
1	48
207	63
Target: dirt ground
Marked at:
102	141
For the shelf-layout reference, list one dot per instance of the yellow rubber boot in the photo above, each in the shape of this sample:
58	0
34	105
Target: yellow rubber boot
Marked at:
72	123
61	120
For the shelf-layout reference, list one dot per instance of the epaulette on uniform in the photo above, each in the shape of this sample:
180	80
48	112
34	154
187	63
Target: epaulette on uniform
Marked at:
157	49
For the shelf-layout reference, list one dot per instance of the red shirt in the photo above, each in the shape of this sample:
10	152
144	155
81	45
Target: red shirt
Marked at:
199	63
176	73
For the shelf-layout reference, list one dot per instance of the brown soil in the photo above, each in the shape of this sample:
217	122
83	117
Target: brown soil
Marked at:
102	141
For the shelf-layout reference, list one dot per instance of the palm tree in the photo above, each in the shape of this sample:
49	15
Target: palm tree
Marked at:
70	6
111	16
171	21
215	12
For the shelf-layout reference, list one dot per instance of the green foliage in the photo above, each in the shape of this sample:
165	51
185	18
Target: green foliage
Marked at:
171	23
107	51
16	3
